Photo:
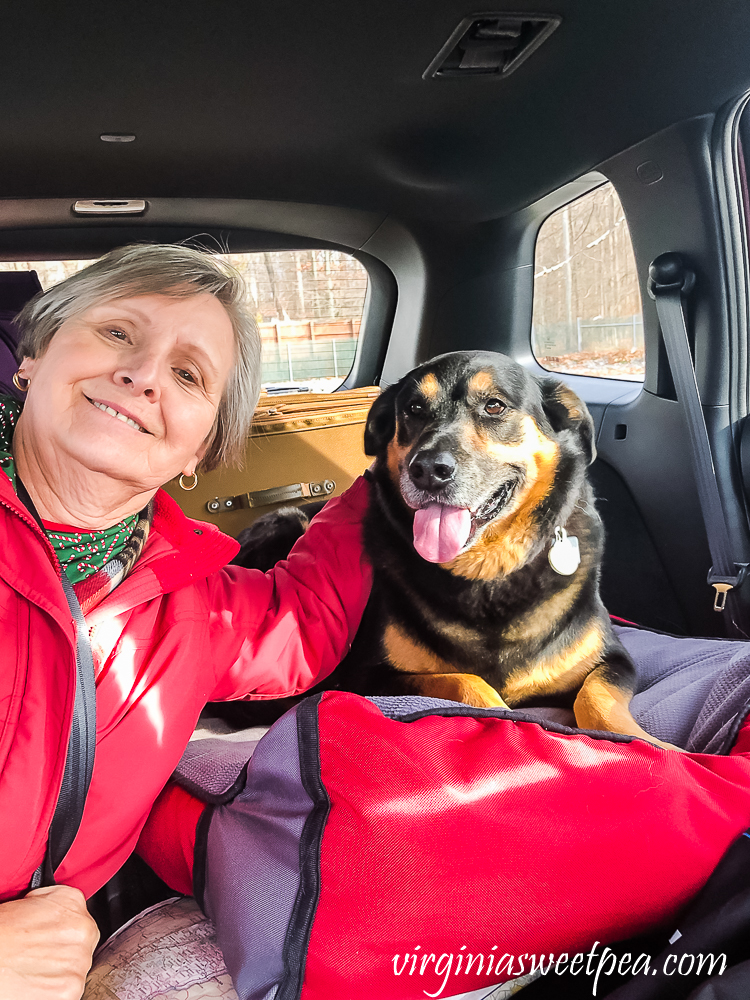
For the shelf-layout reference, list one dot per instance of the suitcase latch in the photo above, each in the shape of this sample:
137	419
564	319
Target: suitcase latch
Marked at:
279	494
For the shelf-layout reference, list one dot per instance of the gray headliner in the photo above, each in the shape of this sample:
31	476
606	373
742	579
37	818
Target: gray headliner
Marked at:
325	103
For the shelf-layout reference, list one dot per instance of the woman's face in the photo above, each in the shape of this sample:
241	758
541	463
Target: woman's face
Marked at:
160	363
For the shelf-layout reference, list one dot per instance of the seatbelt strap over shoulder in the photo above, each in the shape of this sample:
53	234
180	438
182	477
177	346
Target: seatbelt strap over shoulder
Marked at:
669	282
79	760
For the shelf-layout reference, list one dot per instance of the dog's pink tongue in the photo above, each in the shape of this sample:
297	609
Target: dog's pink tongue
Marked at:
440	532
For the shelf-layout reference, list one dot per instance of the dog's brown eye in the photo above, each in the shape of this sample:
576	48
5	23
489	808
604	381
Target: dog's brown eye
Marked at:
494	406
416	408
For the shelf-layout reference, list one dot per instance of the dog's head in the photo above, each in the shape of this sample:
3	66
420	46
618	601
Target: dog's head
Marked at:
474	443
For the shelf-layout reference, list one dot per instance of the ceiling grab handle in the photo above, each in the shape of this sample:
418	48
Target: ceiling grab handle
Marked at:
669	283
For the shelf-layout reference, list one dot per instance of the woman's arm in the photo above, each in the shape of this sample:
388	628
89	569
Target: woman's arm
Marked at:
47	940
293	625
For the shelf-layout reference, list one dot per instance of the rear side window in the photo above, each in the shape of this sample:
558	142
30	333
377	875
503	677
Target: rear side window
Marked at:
308	304
587	307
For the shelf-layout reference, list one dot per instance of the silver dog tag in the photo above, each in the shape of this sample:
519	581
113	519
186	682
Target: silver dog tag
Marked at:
564	556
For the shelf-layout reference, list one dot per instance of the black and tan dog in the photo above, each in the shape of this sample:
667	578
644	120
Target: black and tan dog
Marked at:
486	547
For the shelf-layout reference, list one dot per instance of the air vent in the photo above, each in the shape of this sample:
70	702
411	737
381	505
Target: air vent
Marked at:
491	44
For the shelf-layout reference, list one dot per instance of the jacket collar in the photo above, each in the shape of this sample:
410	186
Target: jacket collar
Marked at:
197	548
179	551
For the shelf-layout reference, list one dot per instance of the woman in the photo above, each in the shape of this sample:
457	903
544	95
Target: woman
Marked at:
140	368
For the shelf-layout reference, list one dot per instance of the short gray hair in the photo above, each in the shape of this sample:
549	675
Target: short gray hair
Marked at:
162	269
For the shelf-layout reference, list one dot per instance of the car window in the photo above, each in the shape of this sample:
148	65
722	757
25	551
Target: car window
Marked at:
308	304
587	308
309	308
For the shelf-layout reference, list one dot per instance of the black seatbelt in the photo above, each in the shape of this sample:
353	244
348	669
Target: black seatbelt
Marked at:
668	283
79	761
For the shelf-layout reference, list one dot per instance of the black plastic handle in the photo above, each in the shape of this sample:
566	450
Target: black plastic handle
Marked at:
669	272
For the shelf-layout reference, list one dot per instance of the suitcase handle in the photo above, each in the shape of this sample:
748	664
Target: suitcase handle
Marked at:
279	494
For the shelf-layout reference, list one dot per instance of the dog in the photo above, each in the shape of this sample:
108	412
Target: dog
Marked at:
270	538
486	548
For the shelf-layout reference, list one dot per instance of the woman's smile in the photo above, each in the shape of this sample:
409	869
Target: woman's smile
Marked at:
118	413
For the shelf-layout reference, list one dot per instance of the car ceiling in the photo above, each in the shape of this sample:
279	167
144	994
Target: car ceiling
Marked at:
325	103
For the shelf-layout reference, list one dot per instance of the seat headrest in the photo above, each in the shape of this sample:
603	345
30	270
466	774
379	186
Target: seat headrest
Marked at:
16	288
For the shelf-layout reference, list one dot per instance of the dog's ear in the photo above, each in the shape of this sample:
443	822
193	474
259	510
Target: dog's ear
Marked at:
381	421
565	411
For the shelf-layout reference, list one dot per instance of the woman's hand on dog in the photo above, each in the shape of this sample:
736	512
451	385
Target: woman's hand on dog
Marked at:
47	941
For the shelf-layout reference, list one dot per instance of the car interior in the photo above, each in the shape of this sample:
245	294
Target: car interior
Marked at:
501	181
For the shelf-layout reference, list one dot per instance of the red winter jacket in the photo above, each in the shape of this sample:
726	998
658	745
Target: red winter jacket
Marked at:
181	630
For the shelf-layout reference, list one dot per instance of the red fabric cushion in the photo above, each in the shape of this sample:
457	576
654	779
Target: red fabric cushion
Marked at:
497	838
455	837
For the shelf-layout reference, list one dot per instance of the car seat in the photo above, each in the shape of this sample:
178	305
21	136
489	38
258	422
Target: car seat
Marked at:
16	289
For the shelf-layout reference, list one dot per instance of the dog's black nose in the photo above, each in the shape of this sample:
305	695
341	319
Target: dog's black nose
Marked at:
429	470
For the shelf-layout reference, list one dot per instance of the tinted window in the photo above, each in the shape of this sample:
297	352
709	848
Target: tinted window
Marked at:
308	304
587	307
309	309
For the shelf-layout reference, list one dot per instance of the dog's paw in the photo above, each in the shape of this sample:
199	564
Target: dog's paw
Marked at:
270	538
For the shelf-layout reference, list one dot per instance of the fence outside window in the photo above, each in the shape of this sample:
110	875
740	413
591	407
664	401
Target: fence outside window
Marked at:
301	362
610	348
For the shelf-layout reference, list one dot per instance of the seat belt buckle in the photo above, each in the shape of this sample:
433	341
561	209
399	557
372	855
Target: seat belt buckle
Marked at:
723	584
720	597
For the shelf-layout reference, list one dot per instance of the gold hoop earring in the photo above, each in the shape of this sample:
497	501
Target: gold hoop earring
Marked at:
188	488
17	376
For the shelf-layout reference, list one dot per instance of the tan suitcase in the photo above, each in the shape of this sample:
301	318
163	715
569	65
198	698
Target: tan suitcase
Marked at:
301	448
